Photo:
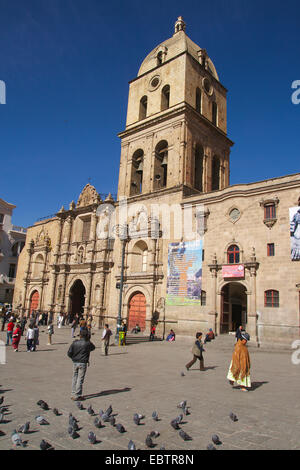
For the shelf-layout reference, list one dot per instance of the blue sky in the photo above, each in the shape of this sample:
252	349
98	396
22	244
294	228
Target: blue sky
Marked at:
67	64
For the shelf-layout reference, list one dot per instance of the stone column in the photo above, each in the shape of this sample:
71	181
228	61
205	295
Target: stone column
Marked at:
27	276
213	321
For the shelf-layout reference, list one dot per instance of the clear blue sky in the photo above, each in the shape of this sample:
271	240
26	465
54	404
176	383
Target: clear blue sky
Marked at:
67	63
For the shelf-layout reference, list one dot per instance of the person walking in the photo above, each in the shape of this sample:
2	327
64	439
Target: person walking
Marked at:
50	333
123	331
23	324
79	352
30	337
89	325
74	325
239	369
106	338
152	333
3	315
16	336
9	331
36	341
197	351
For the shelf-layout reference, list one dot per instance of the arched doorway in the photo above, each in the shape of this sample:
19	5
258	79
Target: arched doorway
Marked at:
77	298
233	307
137	311
34	301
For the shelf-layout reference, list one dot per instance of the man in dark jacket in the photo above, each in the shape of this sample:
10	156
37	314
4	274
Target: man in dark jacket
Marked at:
79	352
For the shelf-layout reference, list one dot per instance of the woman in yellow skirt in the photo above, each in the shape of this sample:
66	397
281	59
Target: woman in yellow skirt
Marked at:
239	369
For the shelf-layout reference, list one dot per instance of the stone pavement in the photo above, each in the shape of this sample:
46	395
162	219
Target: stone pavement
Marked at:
146	377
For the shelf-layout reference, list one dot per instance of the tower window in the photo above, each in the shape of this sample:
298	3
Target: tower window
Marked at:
161	165
137	172
165	97
143	108
270	249
233	254
214	113
198	100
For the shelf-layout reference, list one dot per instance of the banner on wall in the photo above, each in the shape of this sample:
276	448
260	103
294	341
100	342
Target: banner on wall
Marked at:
295	232
184	273
233	270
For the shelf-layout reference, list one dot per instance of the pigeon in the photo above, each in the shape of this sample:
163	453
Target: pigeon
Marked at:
131	445
185	411
72	419
210	447
182	374
174	424
162	448
55	411
24	428
182	404
184	435
1	400
1	417
112	420
233	417
179	418
97	422
44	445
74	434
16	439
44	406
149	442
104	416
79	405
90	411
154	434
41	420
120	428
136	419
155	415
92	438
215	439
109	410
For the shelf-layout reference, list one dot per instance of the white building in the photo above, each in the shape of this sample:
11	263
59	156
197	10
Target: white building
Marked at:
12	240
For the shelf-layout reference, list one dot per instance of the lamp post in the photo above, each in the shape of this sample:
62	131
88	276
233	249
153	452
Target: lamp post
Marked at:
122	229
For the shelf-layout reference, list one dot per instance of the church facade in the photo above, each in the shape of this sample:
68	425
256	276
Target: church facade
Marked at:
179	247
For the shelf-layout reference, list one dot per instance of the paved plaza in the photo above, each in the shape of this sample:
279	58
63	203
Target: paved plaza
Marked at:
145	377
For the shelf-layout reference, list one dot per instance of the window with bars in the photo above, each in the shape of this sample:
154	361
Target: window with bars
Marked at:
270	211
271	298
233	254
270	249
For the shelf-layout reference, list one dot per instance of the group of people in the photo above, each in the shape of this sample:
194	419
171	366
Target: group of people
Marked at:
239	368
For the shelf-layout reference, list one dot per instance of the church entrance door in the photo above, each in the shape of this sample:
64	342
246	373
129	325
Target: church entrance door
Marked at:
34	301
77	298
137	311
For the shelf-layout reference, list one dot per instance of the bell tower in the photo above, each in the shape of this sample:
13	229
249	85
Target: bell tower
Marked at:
176	126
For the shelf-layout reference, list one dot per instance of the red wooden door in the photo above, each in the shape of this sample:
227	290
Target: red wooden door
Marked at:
137	311
34	302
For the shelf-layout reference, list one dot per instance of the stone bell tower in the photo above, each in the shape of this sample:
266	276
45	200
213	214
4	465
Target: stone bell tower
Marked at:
176	128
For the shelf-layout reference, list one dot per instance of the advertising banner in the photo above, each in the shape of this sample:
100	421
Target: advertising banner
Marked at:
233	270
295	232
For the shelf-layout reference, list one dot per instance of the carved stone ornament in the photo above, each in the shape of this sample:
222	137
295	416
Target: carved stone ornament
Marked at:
88	196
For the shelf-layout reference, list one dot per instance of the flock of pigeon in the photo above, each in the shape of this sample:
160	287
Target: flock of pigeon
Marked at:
104	417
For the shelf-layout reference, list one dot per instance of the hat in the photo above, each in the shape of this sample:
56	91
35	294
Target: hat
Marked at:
245	336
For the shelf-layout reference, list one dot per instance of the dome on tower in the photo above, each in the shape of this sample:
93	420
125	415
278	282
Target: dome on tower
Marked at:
174	46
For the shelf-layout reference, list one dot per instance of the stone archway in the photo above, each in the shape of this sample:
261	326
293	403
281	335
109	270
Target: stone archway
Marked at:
137	311
233	307
77	298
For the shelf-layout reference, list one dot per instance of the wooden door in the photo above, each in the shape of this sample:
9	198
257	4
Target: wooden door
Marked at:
137	312
34	302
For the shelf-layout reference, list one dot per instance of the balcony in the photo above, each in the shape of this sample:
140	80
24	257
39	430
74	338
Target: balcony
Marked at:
17	228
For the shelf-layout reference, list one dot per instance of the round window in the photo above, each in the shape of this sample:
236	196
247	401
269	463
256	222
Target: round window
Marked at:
154	83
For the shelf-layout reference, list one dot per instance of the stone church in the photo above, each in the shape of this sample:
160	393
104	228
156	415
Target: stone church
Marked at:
133	257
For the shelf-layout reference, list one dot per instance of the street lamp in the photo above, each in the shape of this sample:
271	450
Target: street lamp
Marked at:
122	232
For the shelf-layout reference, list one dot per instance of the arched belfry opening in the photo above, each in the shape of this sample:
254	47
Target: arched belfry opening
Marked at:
77	298
137	169
161	165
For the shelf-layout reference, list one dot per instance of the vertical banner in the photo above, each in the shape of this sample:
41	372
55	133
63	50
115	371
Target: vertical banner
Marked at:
184	273
295	232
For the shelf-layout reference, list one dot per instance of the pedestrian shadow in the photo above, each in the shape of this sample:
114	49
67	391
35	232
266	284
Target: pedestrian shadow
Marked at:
255	385
107	392
210	367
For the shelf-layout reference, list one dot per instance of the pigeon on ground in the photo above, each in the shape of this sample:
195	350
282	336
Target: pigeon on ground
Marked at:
109	410
184	435
179	418
55	411
185	411
149	442
97	422
174	424
92	438
162	448
1	417
41	420
90	411
112	420
233	417
154	434
215	439
210	447
1	400
44	445
182	374
120	428
131	445
16	439
79	405
44	406
74	434
24	428
155	415
72	419
182	404
136	419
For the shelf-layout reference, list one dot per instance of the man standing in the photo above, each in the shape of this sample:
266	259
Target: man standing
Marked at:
9	331
106	338
79	352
